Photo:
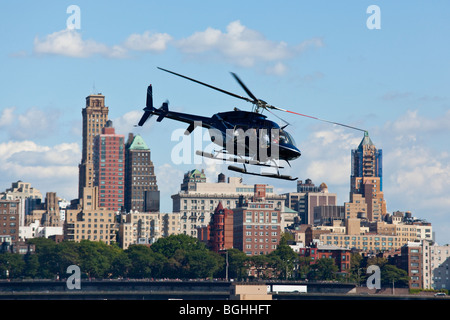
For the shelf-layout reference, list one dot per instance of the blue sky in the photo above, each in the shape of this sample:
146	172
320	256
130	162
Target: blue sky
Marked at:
317	58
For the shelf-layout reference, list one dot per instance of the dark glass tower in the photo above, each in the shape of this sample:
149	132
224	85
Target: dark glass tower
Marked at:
141	189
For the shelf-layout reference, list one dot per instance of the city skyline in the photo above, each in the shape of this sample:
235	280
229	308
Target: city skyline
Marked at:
315	59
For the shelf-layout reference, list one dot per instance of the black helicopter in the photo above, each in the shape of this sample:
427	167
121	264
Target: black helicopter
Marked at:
248	137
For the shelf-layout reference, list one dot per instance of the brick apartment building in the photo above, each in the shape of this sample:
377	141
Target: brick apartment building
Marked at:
341	256
109	168
257	224
218	234
9	213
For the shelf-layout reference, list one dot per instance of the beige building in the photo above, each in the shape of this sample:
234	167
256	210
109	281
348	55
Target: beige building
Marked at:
147	227
198	199
28	196
380	236
48	215
89	221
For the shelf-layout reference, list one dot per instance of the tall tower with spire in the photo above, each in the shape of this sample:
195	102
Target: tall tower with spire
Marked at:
366	189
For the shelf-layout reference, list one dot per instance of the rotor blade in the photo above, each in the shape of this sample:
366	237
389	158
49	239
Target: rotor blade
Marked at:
315	118
287	123
244	87
207	85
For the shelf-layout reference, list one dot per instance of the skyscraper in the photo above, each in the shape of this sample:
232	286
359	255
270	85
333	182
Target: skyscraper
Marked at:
141	189
366	162
366	182
95	115
109	164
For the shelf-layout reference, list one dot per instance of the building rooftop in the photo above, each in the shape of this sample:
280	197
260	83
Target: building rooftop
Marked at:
366	141
138	144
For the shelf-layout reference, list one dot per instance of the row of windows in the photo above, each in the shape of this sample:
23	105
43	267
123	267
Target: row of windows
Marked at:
11	204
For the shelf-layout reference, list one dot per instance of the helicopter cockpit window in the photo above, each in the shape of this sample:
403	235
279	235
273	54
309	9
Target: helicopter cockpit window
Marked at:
286	138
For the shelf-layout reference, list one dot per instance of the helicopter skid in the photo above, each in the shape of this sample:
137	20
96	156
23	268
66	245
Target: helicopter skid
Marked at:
267	175
235	159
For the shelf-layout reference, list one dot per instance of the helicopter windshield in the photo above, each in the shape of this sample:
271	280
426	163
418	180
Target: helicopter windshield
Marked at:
286	138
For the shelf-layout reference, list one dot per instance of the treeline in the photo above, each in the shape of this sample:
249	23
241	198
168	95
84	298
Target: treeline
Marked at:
179	257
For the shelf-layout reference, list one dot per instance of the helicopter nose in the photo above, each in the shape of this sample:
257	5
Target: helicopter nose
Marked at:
293	153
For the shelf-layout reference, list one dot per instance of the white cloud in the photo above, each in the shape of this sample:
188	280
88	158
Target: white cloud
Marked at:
242	46
278	69
47	168
169	179
69	43
155	42
7	117
31	124
238	45
126	123
326	156
412	124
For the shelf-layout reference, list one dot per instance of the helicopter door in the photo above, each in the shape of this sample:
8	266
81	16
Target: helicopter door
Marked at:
245	139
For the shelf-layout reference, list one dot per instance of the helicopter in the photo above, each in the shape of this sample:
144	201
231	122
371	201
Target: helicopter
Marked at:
245	137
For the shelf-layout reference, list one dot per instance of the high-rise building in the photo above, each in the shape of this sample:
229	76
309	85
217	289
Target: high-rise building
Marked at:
367	179
95	115
109	165
307	197
366	162
141	189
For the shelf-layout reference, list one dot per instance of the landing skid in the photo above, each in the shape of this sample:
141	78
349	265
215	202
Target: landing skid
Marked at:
234	159
248	161
267	175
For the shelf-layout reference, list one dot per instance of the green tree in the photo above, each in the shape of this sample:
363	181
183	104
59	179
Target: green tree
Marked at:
11	265
237	268
169	245
201	264
284	260
186	257
304	267
31	269
356	267
67	254
120	264
46	251
143	262
324	269
93	258
260	263
391	274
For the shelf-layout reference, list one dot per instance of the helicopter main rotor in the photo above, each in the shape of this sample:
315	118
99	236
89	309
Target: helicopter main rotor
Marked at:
258	103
